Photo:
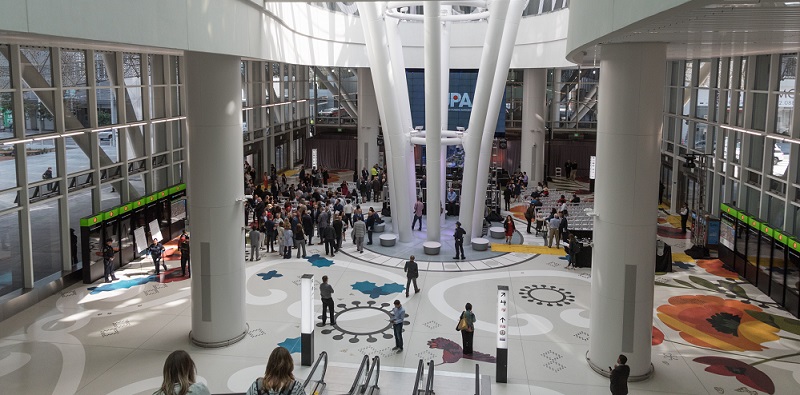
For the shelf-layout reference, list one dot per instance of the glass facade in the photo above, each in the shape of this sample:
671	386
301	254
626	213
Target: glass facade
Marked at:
735	116
94	139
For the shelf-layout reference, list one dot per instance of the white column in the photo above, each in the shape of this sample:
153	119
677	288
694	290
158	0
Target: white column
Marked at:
216	187
433	114
386	62
510	28
367	121
628	138
480	104
534	105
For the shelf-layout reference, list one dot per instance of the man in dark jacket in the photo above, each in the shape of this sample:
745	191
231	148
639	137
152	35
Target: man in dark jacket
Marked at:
308	226
619	376
338	229
412	272
370	224
330	240
563	226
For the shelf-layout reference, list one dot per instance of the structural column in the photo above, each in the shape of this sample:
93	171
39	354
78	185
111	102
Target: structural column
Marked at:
628	141
216	189
367	120
433	114
534	106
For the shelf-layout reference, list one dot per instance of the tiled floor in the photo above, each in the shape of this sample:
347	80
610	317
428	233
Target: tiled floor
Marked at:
91	341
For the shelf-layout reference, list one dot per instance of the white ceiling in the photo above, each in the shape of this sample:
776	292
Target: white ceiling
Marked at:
704	29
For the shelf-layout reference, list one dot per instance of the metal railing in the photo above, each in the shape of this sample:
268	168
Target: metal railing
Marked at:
418	378
360	381
477	379
429	385
372	378
317	375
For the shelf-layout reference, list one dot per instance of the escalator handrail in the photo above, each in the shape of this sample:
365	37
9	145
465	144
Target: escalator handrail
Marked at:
375	369
361	370
322	356
420	370
477	379
429	385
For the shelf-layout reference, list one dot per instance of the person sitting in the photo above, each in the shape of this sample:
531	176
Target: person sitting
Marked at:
575	199
278	378
179	376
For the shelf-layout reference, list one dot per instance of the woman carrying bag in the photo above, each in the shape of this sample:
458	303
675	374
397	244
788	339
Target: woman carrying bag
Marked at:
466	325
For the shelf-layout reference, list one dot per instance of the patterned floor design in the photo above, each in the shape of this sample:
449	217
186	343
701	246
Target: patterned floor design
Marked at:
712	332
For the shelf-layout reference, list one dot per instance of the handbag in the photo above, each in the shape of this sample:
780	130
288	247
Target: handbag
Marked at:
462	323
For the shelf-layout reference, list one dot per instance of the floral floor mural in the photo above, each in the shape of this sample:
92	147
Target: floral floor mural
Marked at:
746	339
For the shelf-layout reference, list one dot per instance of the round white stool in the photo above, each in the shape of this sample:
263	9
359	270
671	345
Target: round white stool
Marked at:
388	240
378	228
480	244
497	232
432	247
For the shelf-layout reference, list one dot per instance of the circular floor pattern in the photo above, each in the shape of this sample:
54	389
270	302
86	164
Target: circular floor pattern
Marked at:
548	295
385	325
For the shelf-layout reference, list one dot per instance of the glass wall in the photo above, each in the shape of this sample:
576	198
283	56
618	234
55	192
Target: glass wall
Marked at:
737	114
87	137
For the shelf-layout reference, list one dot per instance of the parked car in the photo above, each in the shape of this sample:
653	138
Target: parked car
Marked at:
777	155
105	135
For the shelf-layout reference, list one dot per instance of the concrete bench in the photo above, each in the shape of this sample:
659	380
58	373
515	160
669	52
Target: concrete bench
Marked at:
497	232
378	228
432	247
480	244
388	240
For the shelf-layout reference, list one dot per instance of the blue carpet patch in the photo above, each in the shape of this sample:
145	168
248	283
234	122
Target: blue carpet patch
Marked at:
123	284
269	275
292	344
374	291
319	261
683	265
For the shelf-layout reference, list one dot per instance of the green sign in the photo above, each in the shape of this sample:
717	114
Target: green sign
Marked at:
93	220
729	210
110	213
780	237
766	229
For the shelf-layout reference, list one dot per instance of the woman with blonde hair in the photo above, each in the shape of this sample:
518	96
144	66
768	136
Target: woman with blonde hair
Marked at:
179	371
278	378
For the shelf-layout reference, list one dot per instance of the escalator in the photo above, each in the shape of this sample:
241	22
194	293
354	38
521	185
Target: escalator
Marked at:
315	382
366	380
428	379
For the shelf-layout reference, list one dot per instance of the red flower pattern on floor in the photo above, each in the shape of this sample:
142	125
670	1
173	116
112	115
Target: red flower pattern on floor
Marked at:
746	374
715	267
714	322
658	336
453	351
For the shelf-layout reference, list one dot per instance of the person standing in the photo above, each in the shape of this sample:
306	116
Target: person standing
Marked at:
371	218
509	227
684	217
619	376
418	206
563	226
348	213
183	247
338	230
459	237
108	254
359	231
507	195
48	174
398	315
288	240
308	226
255	243
300	240
530	212
552	230
179	376
329	235
271	234
572	251
325	292
73	246
412	273
156	250
452	197
469	330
